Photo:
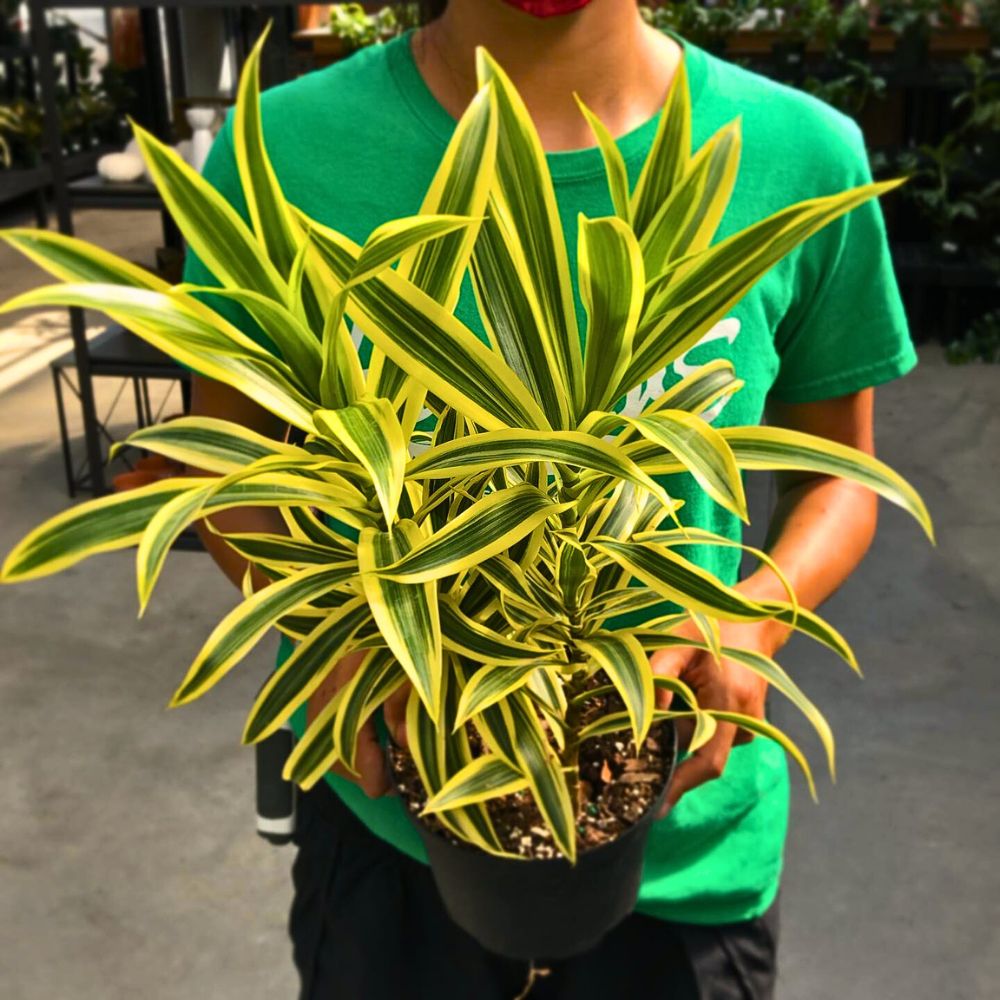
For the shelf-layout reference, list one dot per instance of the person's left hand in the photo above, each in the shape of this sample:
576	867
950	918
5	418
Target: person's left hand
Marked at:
726	686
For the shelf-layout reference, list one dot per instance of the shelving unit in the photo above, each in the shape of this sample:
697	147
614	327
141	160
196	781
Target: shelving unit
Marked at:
91	191
115	353
18	80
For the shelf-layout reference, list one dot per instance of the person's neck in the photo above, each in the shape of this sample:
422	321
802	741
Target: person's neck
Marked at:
619	66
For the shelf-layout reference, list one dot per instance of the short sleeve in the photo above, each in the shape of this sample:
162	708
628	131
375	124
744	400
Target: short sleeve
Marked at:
845	329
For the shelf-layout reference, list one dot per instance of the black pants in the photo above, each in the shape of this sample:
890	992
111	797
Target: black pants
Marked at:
367	924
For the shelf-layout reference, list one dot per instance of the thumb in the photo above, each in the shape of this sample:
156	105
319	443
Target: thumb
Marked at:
370	762
669	663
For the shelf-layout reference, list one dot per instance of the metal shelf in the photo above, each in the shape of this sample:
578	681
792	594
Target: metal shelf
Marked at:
116	353
19	181
94	191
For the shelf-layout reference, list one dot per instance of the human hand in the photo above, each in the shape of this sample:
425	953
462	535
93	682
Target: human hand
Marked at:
372	773
726	686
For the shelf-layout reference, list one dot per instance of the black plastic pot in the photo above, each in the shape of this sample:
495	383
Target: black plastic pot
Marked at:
547	909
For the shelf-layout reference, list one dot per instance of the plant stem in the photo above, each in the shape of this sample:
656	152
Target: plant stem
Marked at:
570	756
570	481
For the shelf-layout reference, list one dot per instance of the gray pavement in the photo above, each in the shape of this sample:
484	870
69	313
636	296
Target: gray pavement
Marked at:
128	862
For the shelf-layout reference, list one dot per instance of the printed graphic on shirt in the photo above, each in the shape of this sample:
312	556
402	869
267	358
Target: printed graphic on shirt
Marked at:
647	392
650	390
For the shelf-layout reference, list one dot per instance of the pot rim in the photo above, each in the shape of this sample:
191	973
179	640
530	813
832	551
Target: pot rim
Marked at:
647	817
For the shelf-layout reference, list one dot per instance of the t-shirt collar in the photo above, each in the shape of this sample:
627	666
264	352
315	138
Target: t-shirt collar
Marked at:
571	164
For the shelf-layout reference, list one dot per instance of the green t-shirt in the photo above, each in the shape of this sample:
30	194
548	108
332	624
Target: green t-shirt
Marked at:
357	144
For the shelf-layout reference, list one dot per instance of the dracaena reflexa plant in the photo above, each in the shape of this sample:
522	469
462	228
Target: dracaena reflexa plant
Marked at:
478	555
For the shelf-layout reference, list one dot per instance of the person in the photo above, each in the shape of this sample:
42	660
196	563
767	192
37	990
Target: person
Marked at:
356	144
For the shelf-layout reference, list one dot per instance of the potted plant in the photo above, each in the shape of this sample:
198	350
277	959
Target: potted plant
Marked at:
978	104
481	569
987	15
351	23
954	184
710	28
7	121
848	32
795	25
912	22
849	90
981	342
21	125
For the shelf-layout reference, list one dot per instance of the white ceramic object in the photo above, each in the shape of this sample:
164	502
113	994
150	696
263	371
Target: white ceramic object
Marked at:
132	146
201	121
121	168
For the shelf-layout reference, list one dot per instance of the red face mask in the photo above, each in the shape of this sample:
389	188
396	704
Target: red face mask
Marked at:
547	8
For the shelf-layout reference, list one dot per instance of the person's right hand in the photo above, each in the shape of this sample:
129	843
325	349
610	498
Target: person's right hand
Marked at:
372	773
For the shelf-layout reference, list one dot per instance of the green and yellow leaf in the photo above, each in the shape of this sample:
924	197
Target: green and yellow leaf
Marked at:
208	443
470	638
524	202
623	659
102	525
487	528
546	779
302	673
488	685
246	624
429	343
70	259
614	163
378	672
612	280
495	449
210	225
668	157
370	431
483	778
678	579
406	613
315	752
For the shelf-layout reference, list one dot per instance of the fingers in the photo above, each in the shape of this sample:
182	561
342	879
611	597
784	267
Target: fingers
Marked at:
705	764
711	686
670	663
333	682
394	712
369	759
372	772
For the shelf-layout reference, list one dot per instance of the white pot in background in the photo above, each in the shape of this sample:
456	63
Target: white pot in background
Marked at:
121	168
201	121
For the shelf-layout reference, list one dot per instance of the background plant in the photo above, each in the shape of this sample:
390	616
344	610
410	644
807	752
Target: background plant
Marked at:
849	91
981	342
7	123
706	26
483	569
357	27
953	182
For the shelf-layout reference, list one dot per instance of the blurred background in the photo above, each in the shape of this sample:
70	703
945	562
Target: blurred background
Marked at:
128	857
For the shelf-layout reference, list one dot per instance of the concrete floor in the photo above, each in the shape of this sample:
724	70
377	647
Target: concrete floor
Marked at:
129	862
